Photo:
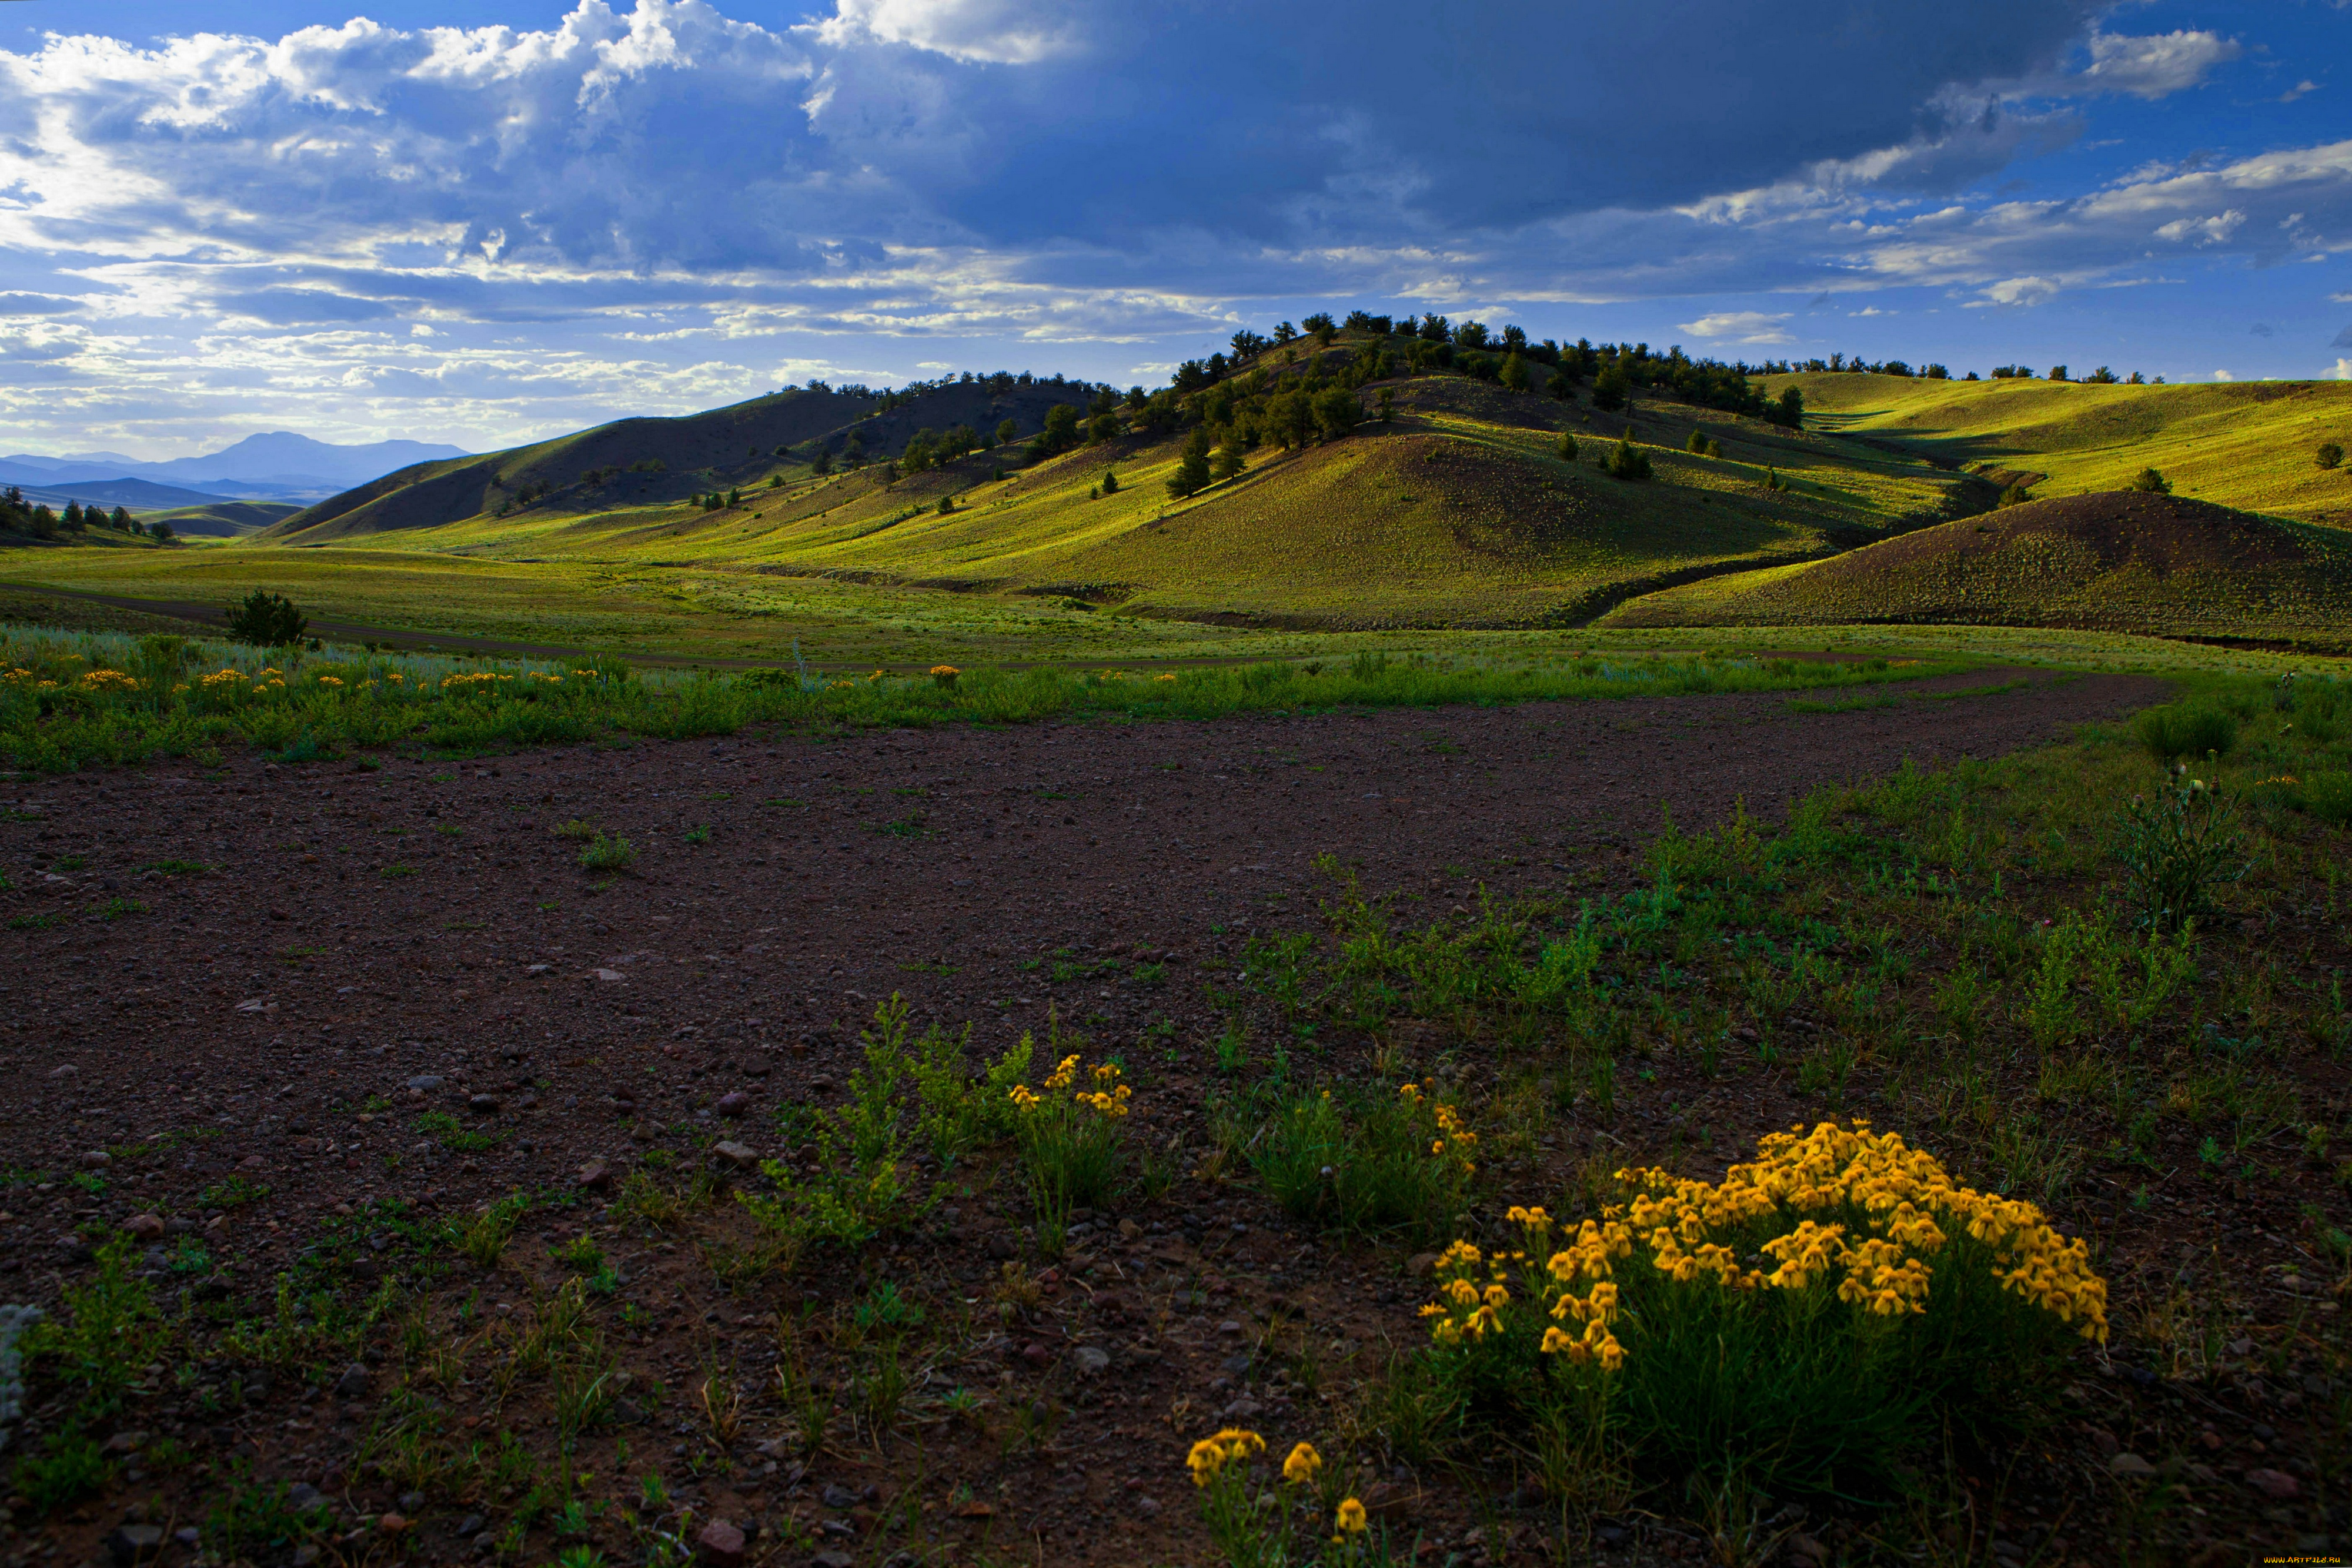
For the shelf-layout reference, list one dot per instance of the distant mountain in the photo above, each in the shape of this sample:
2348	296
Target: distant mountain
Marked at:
279	465
143	495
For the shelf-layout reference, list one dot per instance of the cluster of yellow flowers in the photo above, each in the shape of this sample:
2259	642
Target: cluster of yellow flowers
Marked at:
1454	1134
543	676
474	681
220	679
1898	1205
19	676
1210	1458
334	681
1163	677
945	671
109	680
1108	1096
1582	1330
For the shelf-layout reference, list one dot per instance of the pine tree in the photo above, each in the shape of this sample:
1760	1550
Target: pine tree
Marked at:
1567	444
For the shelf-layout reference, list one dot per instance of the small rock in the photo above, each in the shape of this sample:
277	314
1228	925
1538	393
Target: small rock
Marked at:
1421	1263
97	1159
483	1105
425	1082
2275	1485
473	1525
1229	1326
390	1524
2130	1466
596	1176
838	1496
1092	1361
301	1497
1001	1246
743	1157
1036	1354
833	1560
412	1504
1805	1548
1147	1506
734	1102
187	1536
720	1544
1242	1409
607	974
134	1543
131	1442
353	1383
146	1227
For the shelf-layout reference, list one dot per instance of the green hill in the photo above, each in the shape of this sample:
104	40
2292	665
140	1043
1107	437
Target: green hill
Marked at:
1457	509
226	519
2124	562
2247	445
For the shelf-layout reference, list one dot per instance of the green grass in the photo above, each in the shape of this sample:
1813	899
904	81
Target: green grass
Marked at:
2244	444
2128	563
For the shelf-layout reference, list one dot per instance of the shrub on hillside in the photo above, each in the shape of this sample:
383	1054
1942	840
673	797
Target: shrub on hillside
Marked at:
2015	496
1813	1324
1567	444
2150	481
266	621
1629	461
2329	454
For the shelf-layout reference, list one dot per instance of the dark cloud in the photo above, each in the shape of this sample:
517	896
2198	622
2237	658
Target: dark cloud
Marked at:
2342	339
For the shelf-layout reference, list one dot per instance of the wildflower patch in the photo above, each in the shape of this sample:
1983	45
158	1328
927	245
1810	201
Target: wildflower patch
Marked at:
1812	1320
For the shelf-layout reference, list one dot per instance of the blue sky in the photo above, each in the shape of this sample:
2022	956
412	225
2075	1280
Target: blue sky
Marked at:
407	219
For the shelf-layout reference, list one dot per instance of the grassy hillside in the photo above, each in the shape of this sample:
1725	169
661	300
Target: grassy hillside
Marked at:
2116	562
1458	510
226	519
2246	444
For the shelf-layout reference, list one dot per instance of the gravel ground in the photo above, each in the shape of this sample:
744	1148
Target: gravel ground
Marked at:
254	953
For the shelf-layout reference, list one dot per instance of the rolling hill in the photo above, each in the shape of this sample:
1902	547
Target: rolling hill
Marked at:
1456	510
226	519
2121	561
2246	444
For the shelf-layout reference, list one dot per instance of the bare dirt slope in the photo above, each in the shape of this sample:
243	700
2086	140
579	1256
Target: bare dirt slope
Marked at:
363	949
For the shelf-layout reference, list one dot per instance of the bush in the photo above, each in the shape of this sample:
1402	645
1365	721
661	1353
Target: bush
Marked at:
2329	454
1809	1326
2015	496
2175	849
2171	733
1629	461
604	853
1109	482
266	621
2151	482
1610	388
1568	445
1073	1141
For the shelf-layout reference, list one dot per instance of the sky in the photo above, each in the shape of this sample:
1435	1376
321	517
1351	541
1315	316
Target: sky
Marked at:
407	219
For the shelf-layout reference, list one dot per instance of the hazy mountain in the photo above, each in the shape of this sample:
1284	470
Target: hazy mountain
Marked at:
280	465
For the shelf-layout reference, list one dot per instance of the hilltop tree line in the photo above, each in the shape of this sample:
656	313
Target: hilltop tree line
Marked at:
22	517
1296	386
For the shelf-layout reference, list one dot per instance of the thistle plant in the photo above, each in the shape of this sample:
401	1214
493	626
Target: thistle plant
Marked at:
2177	849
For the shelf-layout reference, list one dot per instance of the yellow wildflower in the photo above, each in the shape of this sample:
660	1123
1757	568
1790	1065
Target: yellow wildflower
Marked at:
1350	1519
1302	1464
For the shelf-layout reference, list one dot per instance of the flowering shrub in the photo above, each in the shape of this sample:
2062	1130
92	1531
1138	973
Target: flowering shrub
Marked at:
1262	1529
1071	1137
2177	849
1813	1318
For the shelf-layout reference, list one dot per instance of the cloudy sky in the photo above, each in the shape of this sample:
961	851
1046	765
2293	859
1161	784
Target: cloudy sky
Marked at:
409	221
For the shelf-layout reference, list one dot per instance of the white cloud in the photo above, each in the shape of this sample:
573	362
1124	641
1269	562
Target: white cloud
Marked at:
2215	230
1740	326
999	32
2155	65
2223	376
2021	290
2341	373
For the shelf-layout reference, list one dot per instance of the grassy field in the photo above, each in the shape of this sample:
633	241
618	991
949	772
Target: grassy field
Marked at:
2122	562
2243	445
1455	516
